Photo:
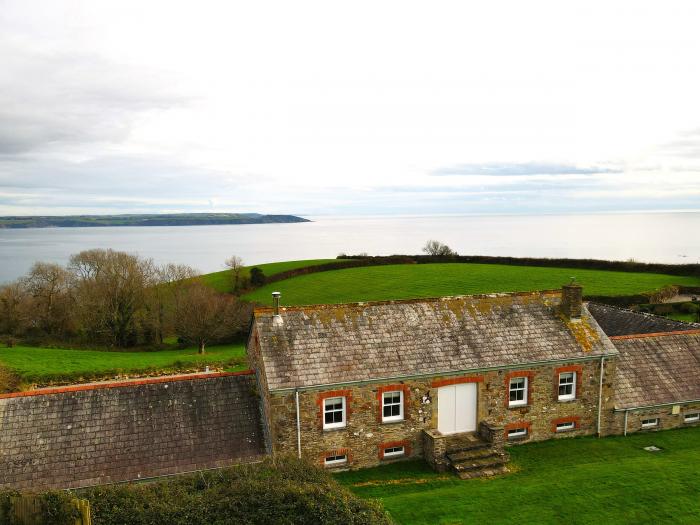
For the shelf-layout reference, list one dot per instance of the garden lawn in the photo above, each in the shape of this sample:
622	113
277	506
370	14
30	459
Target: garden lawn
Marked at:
408	281
43	365
585	480
221	281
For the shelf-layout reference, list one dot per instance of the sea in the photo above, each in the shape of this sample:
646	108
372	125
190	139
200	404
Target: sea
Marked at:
646	237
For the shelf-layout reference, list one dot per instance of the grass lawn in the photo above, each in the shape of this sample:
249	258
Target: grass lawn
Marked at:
221	281
42	365
584	480
688	318
434	280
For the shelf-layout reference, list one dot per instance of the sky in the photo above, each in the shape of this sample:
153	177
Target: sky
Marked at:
349	108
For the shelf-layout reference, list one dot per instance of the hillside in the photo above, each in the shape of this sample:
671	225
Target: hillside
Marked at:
173	219
435	280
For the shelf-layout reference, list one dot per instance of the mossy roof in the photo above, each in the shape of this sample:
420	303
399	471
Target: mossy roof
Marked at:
334	344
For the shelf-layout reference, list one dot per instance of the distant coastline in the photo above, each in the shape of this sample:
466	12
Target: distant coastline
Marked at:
171	219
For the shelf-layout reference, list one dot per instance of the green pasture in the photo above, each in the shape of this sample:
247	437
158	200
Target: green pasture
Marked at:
42	365
434	280
221	281
583	481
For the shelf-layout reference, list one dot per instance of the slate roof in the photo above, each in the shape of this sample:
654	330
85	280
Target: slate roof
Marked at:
656	369
619	321
335	344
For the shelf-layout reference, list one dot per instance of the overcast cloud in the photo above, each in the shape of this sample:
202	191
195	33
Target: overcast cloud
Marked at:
362	108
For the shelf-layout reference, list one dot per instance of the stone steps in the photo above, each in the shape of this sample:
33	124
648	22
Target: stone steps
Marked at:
474	458
486	472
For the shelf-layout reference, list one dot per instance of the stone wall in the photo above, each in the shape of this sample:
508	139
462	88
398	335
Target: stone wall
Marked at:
96	434
667	419
363	437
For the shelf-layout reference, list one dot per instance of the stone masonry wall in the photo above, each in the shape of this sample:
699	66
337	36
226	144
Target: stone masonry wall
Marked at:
96	434
667	419
365	435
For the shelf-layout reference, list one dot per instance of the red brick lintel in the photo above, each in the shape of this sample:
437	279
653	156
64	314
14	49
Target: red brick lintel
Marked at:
456	381
122	384
655	334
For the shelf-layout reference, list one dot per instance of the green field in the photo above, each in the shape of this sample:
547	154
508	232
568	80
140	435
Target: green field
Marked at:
221	281
435	280
584	481
42	365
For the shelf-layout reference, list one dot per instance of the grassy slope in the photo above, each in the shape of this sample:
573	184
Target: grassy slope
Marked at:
432	280
34	364
221	281
586	480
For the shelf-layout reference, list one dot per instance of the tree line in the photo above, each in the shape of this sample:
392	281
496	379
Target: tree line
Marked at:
116	299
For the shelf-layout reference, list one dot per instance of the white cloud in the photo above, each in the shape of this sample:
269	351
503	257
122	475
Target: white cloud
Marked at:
316	107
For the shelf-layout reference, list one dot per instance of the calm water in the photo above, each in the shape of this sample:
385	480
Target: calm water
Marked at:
667	237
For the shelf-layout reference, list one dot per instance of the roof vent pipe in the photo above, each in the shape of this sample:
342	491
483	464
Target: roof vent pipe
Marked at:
276	302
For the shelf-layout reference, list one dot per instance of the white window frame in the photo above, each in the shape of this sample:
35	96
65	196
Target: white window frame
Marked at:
517	432
572	395
651	422
389	419
339	424
394	452
334	461
693	417
518	402
566	427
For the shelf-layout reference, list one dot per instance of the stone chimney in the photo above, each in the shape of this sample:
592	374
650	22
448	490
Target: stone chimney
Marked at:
572	300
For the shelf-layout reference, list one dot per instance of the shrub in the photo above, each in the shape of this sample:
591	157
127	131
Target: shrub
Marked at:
282	491
689	308
9	382
257	277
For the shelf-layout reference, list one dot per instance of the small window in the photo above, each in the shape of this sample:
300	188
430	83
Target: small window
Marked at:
567	386
565	427
692	418
517	432
333	412
332	461
518	392
392	406
650	423
393	452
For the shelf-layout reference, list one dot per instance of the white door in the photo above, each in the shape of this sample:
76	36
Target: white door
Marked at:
457	408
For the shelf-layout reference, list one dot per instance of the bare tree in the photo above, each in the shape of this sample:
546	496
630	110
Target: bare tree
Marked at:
438	249
50	287
172	280
235	264
15	308
111	293
203	315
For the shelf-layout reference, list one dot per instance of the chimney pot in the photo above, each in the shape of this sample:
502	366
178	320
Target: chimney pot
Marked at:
276	302
572	300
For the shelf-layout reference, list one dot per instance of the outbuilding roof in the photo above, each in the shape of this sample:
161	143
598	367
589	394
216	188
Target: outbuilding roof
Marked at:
309	346
620	321
654	369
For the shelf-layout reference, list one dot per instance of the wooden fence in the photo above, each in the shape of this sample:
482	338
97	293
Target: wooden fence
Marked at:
26	510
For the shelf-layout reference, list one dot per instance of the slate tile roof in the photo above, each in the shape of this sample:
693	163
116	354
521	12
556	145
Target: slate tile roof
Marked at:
621	321
328	344
658	368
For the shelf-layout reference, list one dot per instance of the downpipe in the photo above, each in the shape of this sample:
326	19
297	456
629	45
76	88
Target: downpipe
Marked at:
296	399
600	392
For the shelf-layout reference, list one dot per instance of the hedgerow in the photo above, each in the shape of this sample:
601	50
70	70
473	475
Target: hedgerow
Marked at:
281	491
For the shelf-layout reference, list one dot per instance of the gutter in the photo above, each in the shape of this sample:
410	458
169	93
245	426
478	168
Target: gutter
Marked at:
669	404
296	400
516	366
600	391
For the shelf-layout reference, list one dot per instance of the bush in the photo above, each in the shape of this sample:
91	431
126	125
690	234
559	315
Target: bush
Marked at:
689	308
9	382
282	491
55	508
257	277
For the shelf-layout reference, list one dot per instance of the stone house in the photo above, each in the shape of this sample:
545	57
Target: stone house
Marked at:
452	379
658	377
